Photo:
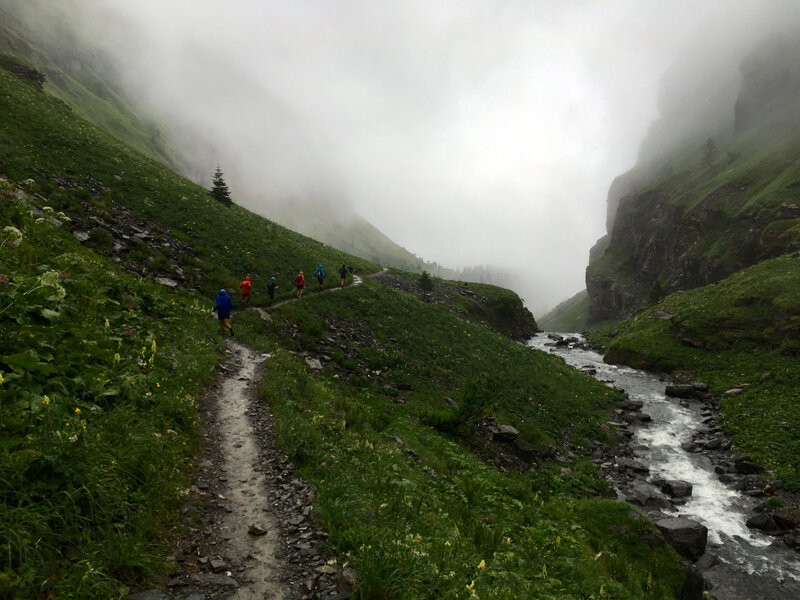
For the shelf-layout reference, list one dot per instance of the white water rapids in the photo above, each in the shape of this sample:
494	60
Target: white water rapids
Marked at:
749	565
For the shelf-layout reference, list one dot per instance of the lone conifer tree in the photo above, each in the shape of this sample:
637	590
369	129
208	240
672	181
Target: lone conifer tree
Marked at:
219	188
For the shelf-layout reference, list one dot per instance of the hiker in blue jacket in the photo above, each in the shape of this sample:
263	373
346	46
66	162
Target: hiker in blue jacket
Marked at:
223	308
320	275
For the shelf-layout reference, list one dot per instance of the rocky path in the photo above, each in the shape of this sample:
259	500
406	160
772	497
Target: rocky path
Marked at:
249	530
357	280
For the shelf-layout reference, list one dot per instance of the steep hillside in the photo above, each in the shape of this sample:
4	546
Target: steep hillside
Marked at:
572	315
390	405
725	199
83	78
139	211
739	334
38	36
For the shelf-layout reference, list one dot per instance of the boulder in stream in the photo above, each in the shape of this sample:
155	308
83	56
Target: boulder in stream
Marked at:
767	523
646	495
686	536
629	464
676	488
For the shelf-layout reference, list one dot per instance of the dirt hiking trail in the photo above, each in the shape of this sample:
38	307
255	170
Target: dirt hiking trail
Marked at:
249	530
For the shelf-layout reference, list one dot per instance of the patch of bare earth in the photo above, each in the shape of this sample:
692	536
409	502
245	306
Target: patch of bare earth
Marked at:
249	529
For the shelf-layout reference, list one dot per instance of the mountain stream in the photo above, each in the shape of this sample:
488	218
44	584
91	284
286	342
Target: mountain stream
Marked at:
740	563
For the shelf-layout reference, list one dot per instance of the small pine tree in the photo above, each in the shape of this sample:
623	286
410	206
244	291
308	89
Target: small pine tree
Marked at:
219	189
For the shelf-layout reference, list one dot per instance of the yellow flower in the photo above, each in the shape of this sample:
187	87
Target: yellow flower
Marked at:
1	378
116	357
107	324
471	586
77	411
447	543
481	565
46	400
153	347
158	384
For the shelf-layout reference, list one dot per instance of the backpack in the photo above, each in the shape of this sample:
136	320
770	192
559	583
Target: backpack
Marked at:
299	280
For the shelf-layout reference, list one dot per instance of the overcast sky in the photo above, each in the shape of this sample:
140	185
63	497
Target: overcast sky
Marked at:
470	132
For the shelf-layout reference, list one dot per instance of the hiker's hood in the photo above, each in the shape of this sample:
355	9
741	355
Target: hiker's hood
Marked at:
222	293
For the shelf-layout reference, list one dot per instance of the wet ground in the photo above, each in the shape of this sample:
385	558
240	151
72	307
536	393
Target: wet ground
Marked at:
249	531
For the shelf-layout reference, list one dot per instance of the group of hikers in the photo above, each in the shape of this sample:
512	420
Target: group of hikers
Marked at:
224	303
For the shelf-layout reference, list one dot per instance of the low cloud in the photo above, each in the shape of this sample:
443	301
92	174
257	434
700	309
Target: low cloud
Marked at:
470	132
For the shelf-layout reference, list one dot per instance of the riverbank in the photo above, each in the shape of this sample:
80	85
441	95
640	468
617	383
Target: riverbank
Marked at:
654	469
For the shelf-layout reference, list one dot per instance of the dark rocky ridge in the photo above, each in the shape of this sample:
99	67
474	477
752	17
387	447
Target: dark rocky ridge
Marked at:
710	208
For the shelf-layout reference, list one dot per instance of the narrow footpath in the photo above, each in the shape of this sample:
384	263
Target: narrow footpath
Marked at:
249	529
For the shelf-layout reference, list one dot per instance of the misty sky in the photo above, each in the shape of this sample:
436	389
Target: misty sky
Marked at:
470	132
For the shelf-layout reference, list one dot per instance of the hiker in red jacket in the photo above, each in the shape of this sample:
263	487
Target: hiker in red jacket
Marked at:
299	283
245	287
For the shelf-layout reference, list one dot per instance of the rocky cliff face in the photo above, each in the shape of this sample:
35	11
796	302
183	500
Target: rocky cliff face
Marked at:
714	206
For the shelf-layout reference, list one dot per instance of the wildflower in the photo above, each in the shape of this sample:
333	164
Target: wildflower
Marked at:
481	565
73	438
116	357
158	384
77	411
49	279
39	221
1	379
46	400
47	209
447	543
12	235
153	347
107	324
471	586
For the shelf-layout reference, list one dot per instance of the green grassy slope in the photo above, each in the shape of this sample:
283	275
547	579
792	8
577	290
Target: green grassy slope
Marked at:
71	72
80	169
95	428
388	433
101	370
572	315
742	331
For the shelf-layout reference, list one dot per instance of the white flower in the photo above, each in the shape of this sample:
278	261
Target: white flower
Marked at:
50	279
11	236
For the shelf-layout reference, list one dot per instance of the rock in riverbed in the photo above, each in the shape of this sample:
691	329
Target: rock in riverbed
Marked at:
686	536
